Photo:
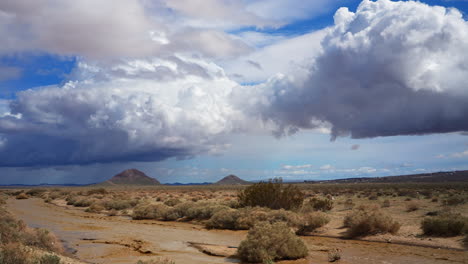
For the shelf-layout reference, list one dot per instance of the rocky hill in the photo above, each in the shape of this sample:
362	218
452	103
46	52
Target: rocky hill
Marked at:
231	180
131	177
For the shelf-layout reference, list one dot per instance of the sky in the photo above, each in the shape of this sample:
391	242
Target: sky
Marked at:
193	90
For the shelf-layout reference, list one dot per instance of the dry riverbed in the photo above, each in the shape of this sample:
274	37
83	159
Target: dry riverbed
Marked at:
97	238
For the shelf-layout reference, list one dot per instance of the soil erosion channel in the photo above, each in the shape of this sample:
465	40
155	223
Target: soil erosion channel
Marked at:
102	239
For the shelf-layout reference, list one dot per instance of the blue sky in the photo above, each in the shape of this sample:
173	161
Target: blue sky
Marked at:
259	89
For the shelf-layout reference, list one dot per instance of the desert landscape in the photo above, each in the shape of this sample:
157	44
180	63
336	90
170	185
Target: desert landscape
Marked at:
131	218
233	131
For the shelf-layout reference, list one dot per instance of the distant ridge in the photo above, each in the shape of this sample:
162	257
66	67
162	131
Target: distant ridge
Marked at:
131	177
443	176
231	180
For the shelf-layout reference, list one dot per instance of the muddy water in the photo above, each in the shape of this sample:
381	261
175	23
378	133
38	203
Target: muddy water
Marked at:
102	239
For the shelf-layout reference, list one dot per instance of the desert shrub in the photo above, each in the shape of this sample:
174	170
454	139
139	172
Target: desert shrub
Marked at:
311	221
182	209
150	211
270	242
97	191
412	206
22	196
118	204
203	211
369	221
225	219
271	194
349	204
71	199
386	204
14	253
172	202
48	259
455	200
444	224
318	204
249	217
95	208
334	255
36	192
156	261
82	202
42	238
10	228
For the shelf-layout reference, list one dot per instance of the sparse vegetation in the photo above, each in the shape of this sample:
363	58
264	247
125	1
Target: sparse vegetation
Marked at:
311	221
444	224
272	194
369	221
271	242
318	204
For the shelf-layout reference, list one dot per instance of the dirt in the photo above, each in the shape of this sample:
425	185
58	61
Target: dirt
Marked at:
103	239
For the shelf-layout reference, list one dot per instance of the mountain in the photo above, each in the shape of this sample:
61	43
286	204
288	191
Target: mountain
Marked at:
443	176
131	177
231	180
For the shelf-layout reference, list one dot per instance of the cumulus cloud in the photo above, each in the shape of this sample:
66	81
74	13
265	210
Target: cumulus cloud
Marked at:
138	110
390	68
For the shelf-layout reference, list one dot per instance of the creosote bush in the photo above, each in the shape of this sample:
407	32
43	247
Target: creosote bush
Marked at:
444	224
311	221
271	242
369	221
272	194
318	204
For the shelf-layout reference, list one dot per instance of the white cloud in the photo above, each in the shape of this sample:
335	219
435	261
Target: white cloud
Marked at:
460	154
327	167
296	167
367	170
384	71
137	110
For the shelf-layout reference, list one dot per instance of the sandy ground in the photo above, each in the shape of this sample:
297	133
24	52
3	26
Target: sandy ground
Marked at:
102	239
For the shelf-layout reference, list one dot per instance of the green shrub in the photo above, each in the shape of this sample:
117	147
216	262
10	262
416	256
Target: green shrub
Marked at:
172	202
150	211
120	204
49	259
270	242
369	221
225	219
311	221
271	194
445	224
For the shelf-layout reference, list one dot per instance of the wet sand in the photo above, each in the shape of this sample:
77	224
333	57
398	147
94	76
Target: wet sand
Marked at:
103	239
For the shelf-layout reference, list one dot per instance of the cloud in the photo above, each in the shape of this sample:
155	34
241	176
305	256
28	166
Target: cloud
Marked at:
137	110
297	167
327	167
384	71
460	154
128	29
355	147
